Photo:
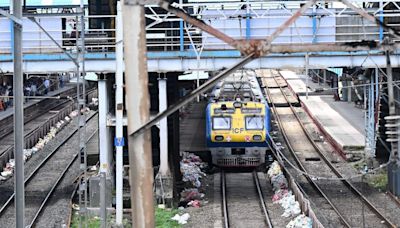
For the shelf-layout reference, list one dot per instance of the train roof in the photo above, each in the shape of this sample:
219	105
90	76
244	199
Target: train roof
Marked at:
241	85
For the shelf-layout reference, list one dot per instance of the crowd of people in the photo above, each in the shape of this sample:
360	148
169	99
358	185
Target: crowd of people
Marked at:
5	92
37	86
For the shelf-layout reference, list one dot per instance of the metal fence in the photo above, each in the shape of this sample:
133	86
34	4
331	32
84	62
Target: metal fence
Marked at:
322	23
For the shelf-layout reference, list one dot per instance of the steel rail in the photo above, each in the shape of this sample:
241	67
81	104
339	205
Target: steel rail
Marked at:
301	166
333	168
5	132
262	201
56	184
73	195
41	164
394	198
224	201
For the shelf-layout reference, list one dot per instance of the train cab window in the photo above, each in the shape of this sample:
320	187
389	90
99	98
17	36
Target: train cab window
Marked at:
221	123
254	123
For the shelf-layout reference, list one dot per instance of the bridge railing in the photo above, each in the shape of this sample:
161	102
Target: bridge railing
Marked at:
325	22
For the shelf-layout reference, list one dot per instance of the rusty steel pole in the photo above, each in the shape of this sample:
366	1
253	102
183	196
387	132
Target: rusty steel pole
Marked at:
138	111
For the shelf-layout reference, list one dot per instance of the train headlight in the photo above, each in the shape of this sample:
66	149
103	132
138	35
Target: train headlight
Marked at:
237	104
219	138
257	137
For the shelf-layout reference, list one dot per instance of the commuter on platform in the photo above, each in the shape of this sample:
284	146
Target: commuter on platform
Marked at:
33	89
46	84
6	98
61	78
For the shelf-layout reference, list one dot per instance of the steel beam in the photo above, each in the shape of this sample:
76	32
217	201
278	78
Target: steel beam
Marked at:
12	17
198	23
290	21
138	111
210	63
392	109
367	16
54	41
203	88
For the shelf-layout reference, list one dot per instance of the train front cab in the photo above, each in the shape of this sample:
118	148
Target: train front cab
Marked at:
236	136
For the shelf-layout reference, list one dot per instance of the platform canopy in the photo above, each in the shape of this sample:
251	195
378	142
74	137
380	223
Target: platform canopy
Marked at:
47	3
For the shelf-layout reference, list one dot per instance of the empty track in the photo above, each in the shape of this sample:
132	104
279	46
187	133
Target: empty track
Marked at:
41	182
243	202
341	196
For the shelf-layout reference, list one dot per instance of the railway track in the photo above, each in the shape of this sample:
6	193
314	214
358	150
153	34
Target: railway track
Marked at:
246	198
32	112
342	197
41	182
37	125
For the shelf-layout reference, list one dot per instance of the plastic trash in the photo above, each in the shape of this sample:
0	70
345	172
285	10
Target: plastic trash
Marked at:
181	219
301	221
190	167
194	203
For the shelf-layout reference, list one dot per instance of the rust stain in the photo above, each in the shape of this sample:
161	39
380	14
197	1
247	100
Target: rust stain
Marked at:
198	23
144	102
258	47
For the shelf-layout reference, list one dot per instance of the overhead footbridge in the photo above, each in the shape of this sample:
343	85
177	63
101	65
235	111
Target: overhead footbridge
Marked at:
330	34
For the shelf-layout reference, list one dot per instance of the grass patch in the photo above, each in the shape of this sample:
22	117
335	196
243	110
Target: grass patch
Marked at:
163	218
92	222
378	181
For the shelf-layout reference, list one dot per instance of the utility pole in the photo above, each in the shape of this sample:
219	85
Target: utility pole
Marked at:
138	111
307	62
392	125
119	115
19	187
80	92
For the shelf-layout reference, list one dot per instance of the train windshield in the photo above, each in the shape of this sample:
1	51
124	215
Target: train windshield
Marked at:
221	123
254	123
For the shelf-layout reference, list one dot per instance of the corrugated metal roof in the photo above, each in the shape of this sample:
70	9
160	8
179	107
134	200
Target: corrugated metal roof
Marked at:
6	3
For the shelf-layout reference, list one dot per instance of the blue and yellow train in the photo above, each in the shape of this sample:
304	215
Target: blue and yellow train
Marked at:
238	122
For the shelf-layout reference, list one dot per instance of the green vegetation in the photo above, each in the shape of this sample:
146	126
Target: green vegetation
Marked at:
378	181
93	222
163	218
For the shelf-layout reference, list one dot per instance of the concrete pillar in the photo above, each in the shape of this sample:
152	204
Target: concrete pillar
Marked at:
138	113
164	185
349	91
104	137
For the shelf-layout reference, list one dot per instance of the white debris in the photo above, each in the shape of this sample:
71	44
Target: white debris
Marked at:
301	221
9	168
6	173
290	205
181	219
283	195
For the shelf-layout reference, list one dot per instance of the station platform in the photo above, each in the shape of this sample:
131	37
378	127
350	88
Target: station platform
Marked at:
341	122
33	101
